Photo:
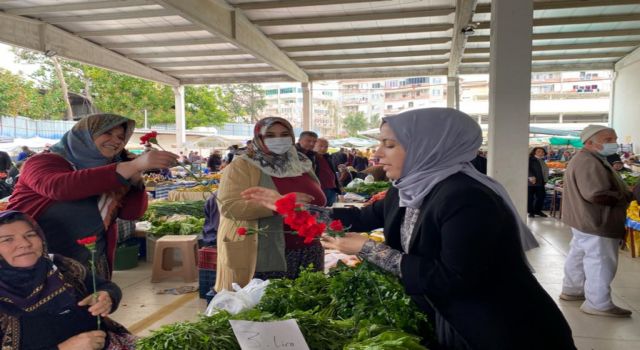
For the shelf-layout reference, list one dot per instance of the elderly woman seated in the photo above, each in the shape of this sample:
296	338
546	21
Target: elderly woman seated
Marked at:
47	301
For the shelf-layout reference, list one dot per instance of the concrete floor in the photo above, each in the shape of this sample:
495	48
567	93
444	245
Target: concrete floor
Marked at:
142	310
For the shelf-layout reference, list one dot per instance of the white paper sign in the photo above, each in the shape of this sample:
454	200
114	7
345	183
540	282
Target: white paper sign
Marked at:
275	335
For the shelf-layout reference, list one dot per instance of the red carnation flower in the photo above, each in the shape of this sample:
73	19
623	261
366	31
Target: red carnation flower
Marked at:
298	219
336	225
87	240
241	231
286	204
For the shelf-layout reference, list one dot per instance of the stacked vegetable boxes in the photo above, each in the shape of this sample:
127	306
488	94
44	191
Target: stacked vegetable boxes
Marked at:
207	269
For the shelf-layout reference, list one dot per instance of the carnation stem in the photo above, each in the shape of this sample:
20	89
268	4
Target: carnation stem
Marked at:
93	275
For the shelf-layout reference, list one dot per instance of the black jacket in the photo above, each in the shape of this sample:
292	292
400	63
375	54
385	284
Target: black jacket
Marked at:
465	259
480	163
310	154
535	170
333	169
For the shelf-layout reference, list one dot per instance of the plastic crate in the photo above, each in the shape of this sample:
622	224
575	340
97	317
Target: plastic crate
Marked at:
207	278
207	257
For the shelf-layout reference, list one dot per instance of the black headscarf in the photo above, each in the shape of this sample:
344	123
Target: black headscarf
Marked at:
31	289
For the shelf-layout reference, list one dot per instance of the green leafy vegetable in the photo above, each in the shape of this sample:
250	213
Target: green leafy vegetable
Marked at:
187	226
159	209
371	188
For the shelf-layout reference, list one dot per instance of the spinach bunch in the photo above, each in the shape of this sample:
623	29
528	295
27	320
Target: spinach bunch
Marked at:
368	293
307	292
166	208
208	333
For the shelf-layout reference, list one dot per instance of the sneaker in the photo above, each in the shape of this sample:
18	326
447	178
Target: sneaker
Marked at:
571	297
542	215
615	311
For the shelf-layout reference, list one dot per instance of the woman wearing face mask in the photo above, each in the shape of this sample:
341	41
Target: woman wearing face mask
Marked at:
538	176
271	162
84	184
453	237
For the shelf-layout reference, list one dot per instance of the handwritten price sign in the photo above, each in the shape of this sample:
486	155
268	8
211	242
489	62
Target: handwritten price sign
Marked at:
276	335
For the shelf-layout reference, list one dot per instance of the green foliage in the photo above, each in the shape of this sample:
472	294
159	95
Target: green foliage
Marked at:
371	188
116	93
215	333
209	333
341	311
374	121
188	225
631	181
368	293
159	209
309	291
388	340
205	106
355	122
245	101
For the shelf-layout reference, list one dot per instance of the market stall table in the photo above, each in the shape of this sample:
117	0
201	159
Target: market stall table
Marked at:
186	195
162	190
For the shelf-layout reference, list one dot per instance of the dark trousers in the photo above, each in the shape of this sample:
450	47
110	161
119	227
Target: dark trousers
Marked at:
331	195
535	199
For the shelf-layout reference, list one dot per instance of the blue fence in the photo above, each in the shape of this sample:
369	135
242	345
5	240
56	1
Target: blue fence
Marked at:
21	127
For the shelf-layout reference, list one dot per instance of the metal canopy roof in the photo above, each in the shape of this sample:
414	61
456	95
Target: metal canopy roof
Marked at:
213	41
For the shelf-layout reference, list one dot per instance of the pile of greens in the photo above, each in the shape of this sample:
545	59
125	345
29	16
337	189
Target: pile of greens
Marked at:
631	180
188	225
370	189
159	209
352	309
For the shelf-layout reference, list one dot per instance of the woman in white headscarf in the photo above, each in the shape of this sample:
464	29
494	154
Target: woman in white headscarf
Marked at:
452	236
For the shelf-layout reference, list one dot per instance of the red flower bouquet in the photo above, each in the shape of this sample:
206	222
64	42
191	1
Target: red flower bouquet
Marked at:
301	221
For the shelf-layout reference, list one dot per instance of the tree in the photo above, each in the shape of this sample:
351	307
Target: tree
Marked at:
205	106
51	76
354	122
246	101
122	94
374	121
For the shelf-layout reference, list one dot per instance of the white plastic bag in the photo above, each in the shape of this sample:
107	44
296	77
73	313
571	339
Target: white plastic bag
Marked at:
239	300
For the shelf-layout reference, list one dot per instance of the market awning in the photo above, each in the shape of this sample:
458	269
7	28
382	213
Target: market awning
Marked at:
546	131
566	141
352	142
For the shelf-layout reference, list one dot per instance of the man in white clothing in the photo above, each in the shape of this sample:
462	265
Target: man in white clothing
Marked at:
595	200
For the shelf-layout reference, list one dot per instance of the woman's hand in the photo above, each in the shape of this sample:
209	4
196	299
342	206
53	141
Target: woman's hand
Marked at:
102	306
350	244
150	160
268	197
93	340
155	160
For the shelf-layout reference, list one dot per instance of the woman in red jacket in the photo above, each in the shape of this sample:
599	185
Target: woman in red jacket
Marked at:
84	184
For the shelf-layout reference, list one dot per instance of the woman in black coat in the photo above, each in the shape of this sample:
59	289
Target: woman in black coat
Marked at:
452	236
538	176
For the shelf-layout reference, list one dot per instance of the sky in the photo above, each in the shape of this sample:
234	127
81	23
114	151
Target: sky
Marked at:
7	61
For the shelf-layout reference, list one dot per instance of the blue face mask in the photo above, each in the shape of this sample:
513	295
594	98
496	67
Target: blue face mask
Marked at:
608	149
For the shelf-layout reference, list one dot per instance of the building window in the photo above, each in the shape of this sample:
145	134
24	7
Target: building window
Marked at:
389	107
410	104
376	86
436	92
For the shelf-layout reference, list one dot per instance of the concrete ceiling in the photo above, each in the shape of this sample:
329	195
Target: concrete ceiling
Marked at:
214	41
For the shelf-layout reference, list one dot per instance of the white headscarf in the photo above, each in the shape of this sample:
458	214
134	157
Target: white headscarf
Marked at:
440	142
